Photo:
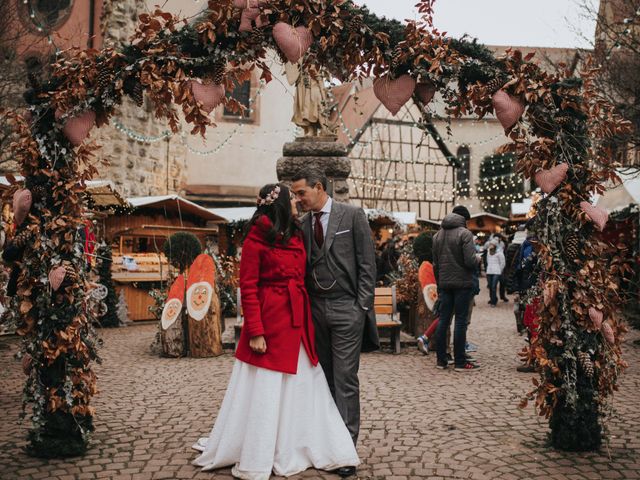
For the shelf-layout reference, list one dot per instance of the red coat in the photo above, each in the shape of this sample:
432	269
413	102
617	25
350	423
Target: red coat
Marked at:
275	301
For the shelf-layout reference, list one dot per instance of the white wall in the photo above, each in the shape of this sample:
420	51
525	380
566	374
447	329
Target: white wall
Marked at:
242	154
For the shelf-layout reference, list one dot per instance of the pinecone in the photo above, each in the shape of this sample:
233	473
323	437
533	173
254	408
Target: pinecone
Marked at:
494	85
22	238
218	72
104	77
571	243
256	36
39	192
355	24
396	56
584	359
137	94
71	275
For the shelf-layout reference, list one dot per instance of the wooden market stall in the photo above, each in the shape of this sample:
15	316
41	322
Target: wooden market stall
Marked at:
137	236
486	223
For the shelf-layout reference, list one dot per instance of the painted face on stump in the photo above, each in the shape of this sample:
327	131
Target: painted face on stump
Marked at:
198	299
170	312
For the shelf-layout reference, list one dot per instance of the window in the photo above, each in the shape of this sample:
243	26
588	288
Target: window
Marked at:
246	94
463	174
242	93
46	15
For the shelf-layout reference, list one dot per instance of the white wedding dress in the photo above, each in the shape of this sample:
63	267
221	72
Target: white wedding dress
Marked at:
276	422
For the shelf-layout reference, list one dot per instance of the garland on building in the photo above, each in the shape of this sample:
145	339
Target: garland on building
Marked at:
498	183
551	120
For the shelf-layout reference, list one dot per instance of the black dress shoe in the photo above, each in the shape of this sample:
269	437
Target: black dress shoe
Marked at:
345	471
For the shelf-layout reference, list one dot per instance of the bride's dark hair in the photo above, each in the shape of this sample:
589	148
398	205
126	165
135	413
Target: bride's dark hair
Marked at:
278	211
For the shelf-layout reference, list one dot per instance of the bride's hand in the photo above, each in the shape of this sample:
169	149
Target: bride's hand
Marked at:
258	344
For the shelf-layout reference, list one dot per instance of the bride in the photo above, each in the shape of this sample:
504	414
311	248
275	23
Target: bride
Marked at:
277	414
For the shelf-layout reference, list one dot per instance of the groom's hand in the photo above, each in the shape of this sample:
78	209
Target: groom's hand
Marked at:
258	344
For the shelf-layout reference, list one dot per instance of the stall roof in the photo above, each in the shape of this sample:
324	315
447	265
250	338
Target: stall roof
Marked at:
521	208
621	195
492	215
404	218
177	204
435	223
234	214
104	194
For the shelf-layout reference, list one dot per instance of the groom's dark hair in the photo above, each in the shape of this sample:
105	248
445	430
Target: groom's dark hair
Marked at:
311	175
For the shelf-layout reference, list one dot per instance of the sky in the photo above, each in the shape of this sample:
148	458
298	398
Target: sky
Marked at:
539	23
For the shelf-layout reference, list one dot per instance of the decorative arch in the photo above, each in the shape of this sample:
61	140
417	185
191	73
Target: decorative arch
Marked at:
557	125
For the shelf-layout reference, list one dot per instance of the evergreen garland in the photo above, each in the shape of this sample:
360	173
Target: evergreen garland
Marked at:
105	260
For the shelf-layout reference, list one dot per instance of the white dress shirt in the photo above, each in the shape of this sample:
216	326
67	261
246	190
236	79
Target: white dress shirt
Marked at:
324	219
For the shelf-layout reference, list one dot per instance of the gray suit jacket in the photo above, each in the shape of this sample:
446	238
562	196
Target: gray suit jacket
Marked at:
351	251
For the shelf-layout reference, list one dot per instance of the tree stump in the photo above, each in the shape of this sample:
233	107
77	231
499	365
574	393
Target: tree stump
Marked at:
203	309
172	336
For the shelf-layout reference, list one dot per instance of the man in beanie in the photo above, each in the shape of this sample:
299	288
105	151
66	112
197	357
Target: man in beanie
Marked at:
454	263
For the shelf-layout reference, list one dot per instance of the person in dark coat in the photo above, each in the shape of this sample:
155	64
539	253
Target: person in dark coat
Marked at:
454	262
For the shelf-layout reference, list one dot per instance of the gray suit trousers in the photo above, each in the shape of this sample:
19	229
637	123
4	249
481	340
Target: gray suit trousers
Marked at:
339	324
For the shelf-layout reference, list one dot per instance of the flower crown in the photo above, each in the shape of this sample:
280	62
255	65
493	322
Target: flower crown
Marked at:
270	198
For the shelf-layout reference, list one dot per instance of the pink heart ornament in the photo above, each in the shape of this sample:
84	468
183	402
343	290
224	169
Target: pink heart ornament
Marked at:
77	128
394	93
607	332
597	215
56	277
596	317
508	109
549	180
22	200
425	91
250	13
209	95
294	42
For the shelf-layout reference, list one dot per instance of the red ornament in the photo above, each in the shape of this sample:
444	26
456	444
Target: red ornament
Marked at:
549	180
209	95
394	93
597	215
22	200
294	42
508	109
77	128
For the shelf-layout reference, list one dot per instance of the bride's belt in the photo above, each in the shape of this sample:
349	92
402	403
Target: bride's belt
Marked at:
298	298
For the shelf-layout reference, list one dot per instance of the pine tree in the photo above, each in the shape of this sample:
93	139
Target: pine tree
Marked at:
105	260
499	185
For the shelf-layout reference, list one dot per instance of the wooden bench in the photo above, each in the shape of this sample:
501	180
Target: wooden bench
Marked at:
386	313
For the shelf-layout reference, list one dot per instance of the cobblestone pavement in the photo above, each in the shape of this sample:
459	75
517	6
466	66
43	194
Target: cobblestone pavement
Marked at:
418	422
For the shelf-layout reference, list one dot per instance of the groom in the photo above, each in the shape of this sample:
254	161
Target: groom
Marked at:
341	275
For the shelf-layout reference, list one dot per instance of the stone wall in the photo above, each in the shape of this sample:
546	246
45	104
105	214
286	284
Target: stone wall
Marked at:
137	168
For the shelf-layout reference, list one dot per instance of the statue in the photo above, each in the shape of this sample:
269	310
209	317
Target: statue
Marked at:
312	107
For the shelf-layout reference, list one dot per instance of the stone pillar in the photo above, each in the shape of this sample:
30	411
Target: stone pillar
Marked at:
324	153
